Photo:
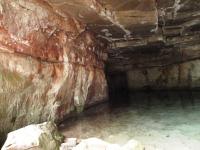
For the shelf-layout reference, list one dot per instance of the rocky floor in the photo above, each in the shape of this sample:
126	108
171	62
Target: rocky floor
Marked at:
159	120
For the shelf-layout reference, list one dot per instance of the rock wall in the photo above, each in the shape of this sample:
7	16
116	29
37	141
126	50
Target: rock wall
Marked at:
175	76
49	64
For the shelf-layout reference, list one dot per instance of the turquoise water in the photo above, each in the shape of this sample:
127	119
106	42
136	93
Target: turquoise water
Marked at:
159	120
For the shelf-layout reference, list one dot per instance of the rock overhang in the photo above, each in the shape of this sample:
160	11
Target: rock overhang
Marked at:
113	19
136	24
64	41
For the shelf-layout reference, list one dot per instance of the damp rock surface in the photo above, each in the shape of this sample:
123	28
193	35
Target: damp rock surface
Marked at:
49	65
53	53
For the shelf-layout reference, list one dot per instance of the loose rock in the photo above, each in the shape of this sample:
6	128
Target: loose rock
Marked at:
35	137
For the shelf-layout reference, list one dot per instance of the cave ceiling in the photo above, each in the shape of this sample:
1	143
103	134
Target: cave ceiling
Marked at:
141	33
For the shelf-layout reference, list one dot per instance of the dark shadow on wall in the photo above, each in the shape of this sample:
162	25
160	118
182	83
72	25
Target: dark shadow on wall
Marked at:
118	88
2	139
165	99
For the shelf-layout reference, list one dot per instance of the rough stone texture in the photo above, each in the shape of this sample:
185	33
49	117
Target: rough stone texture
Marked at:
69	144
175	40
112	19
167	58
98	144
45	136
49	65
34	137
47	49
178	76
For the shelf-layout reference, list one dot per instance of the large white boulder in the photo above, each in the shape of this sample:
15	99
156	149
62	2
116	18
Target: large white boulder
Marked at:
35	137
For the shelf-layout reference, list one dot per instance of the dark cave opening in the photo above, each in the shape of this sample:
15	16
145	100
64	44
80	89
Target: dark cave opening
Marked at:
118	89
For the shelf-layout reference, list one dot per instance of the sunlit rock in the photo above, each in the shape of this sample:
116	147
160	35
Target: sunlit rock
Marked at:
95	144
35	137
133	145
98	144
69	144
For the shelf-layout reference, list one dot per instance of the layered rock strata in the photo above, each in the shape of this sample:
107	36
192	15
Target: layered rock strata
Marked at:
169	57
49	64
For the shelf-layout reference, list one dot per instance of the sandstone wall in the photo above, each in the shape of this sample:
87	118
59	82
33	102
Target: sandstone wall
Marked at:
177	76
49	65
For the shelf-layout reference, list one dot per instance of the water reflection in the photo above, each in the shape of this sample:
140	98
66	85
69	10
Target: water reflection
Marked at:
165	99
160	120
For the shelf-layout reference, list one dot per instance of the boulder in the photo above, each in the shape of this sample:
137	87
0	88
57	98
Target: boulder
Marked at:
98	144
133	145
46	137
35	137
69	144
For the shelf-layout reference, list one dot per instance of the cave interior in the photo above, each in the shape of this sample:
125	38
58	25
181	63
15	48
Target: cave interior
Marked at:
58	57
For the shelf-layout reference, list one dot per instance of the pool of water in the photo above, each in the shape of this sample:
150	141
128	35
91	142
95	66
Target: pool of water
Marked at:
159	120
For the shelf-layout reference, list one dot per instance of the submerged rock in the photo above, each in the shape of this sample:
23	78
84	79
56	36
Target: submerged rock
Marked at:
35	137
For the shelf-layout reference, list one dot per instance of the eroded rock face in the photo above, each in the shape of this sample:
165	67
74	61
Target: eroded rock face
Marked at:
112	19
178	76
175	40
169	57
49	65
